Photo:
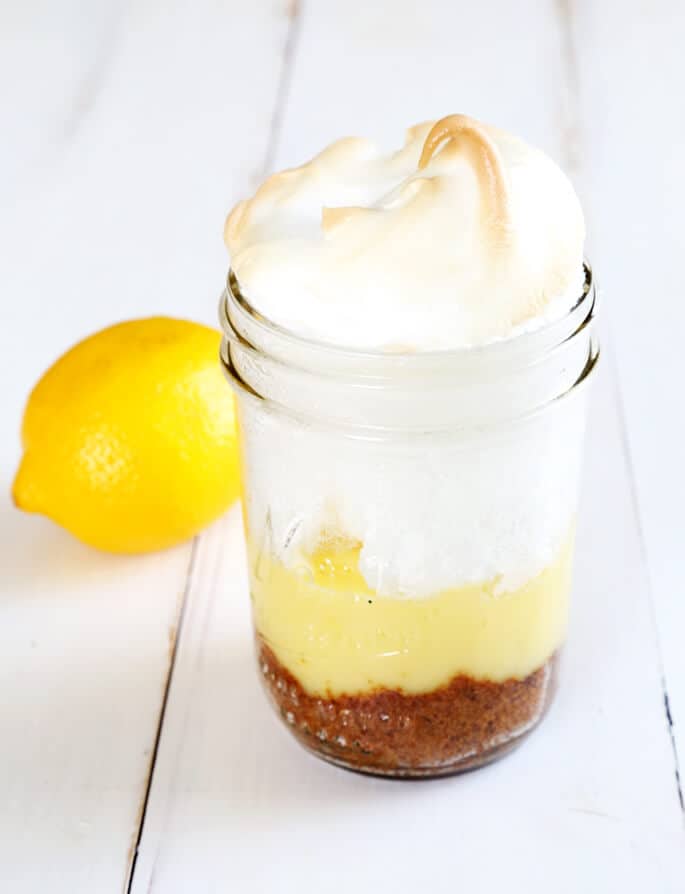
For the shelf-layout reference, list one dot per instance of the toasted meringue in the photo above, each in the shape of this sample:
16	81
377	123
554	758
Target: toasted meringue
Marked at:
464	236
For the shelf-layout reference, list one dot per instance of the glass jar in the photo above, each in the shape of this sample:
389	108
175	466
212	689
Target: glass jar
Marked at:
409	521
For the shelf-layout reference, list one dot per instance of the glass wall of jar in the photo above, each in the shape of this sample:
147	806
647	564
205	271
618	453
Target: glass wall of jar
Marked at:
409	521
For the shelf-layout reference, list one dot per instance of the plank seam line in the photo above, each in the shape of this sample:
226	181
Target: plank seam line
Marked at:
570	117
162	714
200	607
295	16
620	407
566	14
671	730
94	80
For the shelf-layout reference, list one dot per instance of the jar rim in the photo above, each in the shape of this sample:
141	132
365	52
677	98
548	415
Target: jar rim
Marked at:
531	342
362	390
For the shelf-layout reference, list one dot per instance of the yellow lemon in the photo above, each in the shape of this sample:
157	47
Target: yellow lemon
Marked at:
129	439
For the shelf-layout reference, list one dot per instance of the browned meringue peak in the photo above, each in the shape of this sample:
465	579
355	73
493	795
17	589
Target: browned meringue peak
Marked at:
460	237
468	136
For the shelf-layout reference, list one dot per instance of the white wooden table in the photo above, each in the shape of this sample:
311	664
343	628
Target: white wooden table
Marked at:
136	752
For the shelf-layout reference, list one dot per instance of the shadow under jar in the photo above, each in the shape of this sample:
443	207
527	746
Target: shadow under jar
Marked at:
409	521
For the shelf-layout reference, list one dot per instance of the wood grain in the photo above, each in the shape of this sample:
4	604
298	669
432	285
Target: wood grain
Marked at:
115	180
630	64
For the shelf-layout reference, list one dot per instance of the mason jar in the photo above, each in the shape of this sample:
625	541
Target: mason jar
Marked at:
409	520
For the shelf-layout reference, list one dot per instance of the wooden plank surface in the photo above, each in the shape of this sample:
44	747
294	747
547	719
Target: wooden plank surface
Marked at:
591	801
630	66
127	131
87	643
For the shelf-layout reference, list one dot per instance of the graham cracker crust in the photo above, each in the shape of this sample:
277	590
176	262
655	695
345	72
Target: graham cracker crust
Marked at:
459	726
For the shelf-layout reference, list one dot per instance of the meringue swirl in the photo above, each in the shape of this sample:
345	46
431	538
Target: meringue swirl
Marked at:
463	236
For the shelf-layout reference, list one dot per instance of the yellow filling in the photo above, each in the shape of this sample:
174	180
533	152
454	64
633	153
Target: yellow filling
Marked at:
336	636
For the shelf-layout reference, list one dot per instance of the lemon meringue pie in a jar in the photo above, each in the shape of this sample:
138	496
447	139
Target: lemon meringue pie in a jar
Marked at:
410	337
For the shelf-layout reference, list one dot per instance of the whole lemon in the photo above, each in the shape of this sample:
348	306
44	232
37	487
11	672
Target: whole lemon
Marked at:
129	438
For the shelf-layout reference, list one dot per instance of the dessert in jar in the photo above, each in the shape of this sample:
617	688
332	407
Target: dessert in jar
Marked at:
409	335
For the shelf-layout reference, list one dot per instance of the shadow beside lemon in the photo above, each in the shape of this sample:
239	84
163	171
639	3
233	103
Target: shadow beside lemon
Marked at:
129	439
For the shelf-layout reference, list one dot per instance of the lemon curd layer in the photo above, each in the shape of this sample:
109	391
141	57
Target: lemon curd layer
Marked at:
335	635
